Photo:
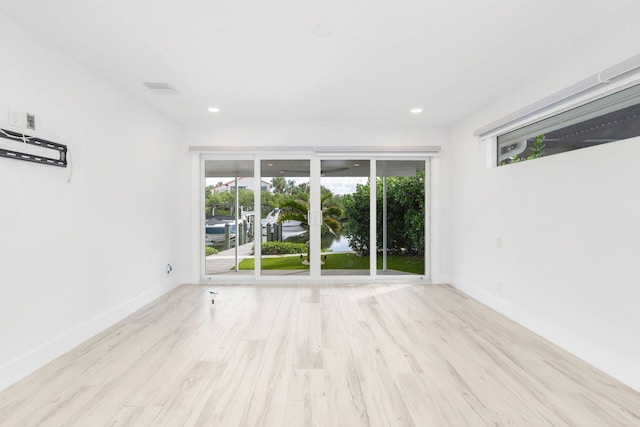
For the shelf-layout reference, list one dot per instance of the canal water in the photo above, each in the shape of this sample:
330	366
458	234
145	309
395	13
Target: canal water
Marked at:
341	244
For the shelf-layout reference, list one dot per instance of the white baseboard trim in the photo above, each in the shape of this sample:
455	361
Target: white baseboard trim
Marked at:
610	363
18	368
440	278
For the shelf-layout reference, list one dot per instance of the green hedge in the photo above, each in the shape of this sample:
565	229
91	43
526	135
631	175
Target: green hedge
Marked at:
280	248
211	250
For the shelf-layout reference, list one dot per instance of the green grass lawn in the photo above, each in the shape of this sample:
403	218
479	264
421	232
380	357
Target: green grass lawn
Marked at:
285	262
408	264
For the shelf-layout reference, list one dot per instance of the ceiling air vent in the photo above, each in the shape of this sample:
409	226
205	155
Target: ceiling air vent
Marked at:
161	88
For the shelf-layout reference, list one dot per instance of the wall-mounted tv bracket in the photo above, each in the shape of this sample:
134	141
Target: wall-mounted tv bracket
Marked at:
60	149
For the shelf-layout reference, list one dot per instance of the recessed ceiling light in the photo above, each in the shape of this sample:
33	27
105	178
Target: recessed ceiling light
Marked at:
356	164
416	111
161	88
213	109
282	172
269	164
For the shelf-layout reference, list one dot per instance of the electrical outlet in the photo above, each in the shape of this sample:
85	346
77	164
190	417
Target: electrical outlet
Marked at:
498	241
499	286
15	117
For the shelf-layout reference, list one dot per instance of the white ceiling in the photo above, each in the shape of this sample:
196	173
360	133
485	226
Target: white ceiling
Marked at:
260	60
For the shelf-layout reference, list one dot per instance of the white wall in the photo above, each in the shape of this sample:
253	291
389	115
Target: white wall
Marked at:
76	257
301	134
569	226
269	134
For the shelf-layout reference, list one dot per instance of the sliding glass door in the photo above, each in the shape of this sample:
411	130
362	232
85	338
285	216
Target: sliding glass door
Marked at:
345	207
315	217
401	219
229	217
286	202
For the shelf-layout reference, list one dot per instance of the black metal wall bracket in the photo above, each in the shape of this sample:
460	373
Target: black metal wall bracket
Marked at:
38	142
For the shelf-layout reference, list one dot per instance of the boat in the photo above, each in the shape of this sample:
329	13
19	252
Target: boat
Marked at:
272	218
215	230
215	224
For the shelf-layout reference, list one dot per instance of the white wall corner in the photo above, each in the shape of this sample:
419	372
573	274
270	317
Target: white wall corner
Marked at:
18	368
197	187
620	368
440	278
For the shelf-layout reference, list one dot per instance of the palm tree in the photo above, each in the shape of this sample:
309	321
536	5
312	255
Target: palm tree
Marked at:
298	210
279	184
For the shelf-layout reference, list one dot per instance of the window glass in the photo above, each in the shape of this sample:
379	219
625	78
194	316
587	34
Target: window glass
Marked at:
344	201
229	218
400	217
285	236
608	119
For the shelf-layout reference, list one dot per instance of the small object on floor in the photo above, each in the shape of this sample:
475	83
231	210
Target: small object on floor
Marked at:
213	296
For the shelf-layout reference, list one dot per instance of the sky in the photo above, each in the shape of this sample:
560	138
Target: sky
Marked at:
341	186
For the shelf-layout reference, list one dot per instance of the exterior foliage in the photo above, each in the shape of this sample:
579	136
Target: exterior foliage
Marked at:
280	248
283	190
279	184
537	149
225	201
294	209
405	216
356	212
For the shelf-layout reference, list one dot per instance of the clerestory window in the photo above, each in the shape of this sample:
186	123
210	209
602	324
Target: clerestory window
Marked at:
611	118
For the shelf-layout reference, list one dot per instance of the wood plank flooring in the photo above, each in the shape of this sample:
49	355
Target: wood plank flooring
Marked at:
330	355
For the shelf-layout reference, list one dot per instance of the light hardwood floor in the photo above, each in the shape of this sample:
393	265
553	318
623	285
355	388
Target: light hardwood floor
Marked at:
379	355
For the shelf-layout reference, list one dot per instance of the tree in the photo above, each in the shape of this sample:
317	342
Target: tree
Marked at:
225	202
405	215
269	201
279	184
245	198
294	209
300	191
291	184
356	212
